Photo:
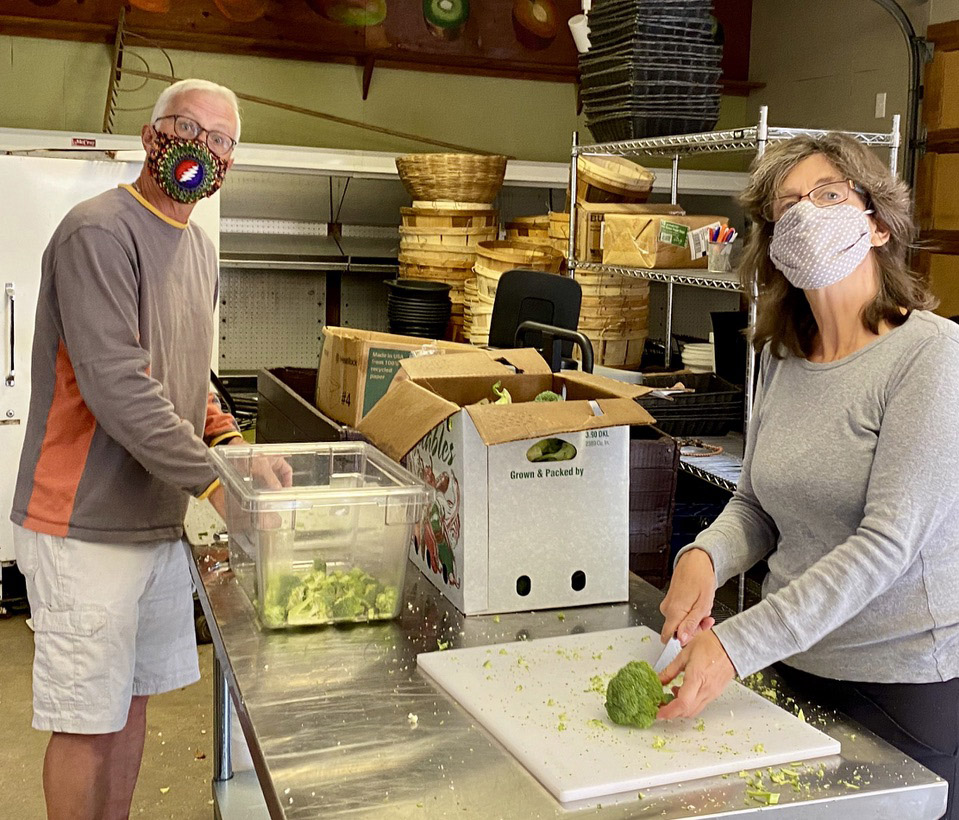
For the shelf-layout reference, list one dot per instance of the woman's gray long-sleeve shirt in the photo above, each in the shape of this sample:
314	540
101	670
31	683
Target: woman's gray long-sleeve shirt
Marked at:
850	490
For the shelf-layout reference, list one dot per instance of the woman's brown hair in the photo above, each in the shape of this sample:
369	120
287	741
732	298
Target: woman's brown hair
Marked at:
784	319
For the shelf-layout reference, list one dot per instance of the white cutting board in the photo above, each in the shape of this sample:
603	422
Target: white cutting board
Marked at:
522	692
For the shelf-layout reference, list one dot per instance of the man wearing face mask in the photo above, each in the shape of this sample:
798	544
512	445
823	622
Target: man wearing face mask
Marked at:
116	442
849	488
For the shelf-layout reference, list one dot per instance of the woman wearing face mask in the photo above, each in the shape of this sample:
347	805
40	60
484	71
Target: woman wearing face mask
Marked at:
850	482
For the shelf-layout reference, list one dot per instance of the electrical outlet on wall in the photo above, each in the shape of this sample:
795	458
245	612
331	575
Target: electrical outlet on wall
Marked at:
880	105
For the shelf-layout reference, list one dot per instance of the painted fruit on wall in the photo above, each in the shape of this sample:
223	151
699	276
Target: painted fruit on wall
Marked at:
156	6
536	22
445	18
242	11
352	13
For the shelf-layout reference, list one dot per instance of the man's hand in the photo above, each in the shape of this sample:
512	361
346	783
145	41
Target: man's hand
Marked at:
689	602
708	671
218	501
269	472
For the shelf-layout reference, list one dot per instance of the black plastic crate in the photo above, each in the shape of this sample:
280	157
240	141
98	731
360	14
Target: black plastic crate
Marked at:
629	127
710	390
715	408
653	471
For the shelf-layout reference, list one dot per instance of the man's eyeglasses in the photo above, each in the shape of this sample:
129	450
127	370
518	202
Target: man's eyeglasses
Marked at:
219	143
822	196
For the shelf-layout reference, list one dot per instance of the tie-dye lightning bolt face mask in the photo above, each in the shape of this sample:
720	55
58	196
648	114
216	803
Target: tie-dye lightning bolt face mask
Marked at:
186	170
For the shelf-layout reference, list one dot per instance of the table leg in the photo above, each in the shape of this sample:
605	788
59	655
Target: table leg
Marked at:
222	708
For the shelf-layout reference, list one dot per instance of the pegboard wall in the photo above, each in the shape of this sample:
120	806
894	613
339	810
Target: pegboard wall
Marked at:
270	318
363	302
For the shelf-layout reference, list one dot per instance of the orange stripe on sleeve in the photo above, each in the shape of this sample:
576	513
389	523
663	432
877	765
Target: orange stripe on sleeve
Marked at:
63	454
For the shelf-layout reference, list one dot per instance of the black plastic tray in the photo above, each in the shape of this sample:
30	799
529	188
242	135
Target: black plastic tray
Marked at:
666	91
638	74
614	129
709	389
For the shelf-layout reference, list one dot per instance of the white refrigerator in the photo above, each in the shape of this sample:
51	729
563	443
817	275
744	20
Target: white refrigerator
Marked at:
37	192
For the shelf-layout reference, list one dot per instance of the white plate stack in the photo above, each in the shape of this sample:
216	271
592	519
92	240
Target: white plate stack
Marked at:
699	358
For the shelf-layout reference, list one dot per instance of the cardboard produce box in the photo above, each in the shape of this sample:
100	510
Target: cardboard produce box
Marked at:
640	241
357	366
531	506
591	218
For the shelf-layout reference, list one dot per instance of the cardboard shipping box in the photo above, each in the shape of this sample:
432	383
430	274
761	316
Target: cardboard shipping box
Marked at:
531	499
591	218
641	241
357	366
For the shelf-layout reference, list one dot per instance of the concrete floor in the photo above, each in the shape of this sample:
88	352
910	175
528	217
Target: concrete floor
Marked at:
177	760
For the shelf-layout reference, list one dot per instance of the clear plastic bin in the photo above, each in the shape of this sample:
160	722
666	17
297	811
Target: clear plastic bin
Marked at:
331	548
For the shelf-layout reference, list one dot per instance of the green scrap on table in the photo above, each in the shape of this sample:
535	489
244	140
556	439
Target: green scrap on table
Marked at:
634	695
763	796
597	684
318	597
659	742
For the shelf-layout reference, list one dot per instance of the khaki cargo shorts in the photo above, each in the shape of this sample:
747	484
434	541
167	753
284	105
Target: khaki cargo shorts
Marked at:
110	621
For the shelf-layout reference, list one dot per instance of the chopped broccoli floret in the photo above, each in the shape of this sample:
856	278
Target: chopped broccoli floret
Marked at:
320	598
634	695
386	602
548	395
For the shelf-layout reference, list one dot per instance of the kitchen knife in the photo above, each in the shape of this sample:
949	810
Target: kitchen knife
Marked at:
668	655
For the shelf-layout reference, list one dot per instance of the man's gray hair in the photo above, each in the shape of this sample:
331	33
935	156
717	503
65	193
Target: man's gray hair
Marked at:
165	102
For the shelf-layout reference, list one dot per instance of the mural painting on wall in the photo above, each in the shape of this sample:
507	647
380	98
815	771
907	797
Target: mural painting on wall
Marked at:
521	35
528	38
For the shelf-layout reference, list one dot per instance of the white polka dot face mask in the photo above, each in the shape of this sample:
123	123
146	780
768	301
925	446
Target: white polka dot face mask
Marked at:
817	247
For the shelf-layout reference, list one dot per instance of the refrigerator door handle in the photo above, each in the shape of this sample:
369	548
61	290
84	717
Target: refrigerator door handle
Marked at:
11	378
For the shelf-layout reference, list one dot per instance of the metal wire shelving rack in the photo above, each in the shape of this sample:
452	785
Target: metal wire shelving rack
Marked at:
753	139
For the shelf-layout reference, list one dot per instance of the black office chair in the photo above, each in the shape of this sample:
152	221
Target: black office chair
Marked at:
540	310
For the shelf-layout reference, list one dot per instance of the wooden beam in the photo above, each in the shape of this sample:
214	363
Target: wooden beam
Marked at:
943	141
940	242
945	36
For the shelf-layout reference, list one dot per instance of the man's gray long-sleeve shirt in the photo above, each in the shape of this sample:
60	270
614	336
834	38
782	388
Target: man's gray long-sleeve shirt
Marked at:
850	490
120	414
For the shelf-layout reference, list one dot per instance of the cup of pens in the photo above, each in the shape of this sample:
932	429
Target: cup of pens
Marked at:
719	250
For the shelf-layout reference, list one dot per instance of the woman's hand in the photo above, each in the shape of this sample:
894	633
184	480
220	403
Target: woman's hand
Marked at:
708	670
689	602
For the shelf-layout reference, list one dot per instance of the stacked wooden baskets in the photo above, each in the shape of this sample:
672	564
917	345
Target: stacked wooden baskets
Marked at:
615	311
493	259
451	215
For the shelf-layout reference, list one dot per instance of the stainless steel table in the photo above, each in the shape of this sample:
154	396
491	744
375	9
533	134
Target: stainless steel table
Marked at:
325	715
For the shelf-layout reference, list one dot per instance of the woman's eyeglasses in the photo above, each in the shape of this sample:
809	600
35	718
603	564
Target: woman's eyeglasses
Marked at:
822	196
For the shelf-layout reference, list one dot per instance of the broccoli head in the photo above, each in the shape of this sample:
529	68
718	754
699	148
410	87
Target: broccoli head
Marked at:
634	695
548	395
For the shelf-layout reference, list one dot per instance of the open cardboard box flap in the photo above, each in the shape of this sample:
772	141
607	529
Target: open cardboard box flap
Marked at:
433	388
